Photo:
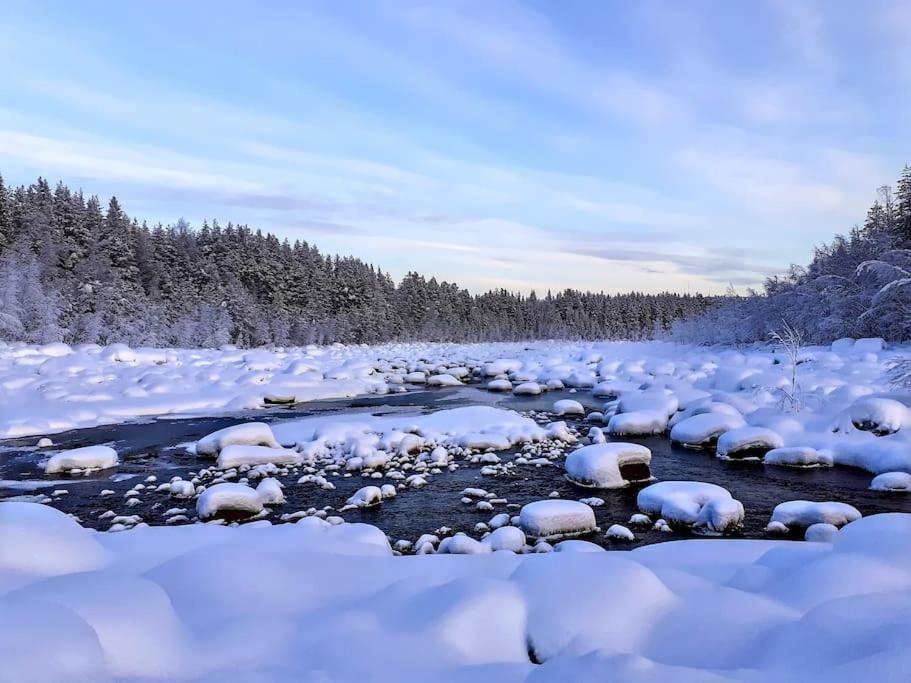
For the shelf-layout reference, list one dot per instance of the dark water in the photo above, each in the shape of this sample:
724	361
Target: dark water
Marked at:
148	448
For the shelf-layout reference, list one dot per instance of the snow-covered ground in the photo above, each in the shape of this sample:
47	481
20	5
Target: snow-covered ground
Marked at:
847	411
321	599
316	602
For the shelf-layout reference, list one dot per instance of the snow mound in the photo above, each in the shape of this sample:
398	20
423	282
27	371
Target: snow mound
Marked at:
85	458
638	423
703	431
443	380
236	455
706	507
555	519
499	385
568	407
891	481
748	443
528	389
247	434
608	465
41	540
821	532
804	513
506	538
798	456
228	498
882	416
366	497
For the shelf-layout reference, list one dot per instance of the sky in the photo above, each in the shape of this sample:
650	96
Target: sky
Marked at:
601	145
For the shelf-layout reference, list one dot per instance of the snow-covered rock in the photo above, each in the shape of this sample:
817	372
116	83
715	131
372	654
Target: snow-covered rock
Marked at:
228	498
706	507
235	455
528	389
366	497
246	434
892	481
620	533
85	458
443	380
499	385
881	416
748	443
608	465
704	430
568	407
798	456
804	513
555	519
638	423
506	538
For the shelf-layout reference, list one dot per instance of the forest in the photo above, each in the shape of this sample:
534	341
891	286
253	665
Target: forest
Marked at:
74	270
859	285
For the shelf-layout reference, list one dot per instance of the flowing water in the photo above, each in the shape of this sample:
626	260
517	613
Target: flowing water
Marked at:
150	448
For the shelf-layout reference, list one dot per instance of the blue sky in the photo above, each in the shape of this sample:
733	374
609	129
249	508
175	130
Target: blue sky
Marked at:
599	145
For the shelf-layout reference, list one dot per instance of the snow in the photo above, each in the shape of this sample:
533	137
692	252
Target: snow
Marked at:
892	481
748	442
311	600
619	532
637	423
798	456
568	407
805	513
706	507
556	519
881	416
235	455
85	458
528	389
247	434
228	497
443	380
701	431
601	465
365	497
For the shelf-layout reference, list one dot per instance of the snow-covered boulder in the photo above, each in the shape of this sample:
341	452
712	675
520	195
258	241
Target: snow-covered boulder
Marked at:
85	458
899	482
246	434
568	407
499	385
801	514
235	499
821	532
620	533
638	423
236	455
555	519
528	389
460	544
506	538
608	465
747	443
881	416
40	540
798	456
443	380
703	431
366	497
706	507
270	492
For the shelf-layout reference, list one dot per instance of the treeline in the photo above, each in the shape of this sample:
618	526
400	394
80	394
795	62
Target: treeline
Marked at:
71	270
857	286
